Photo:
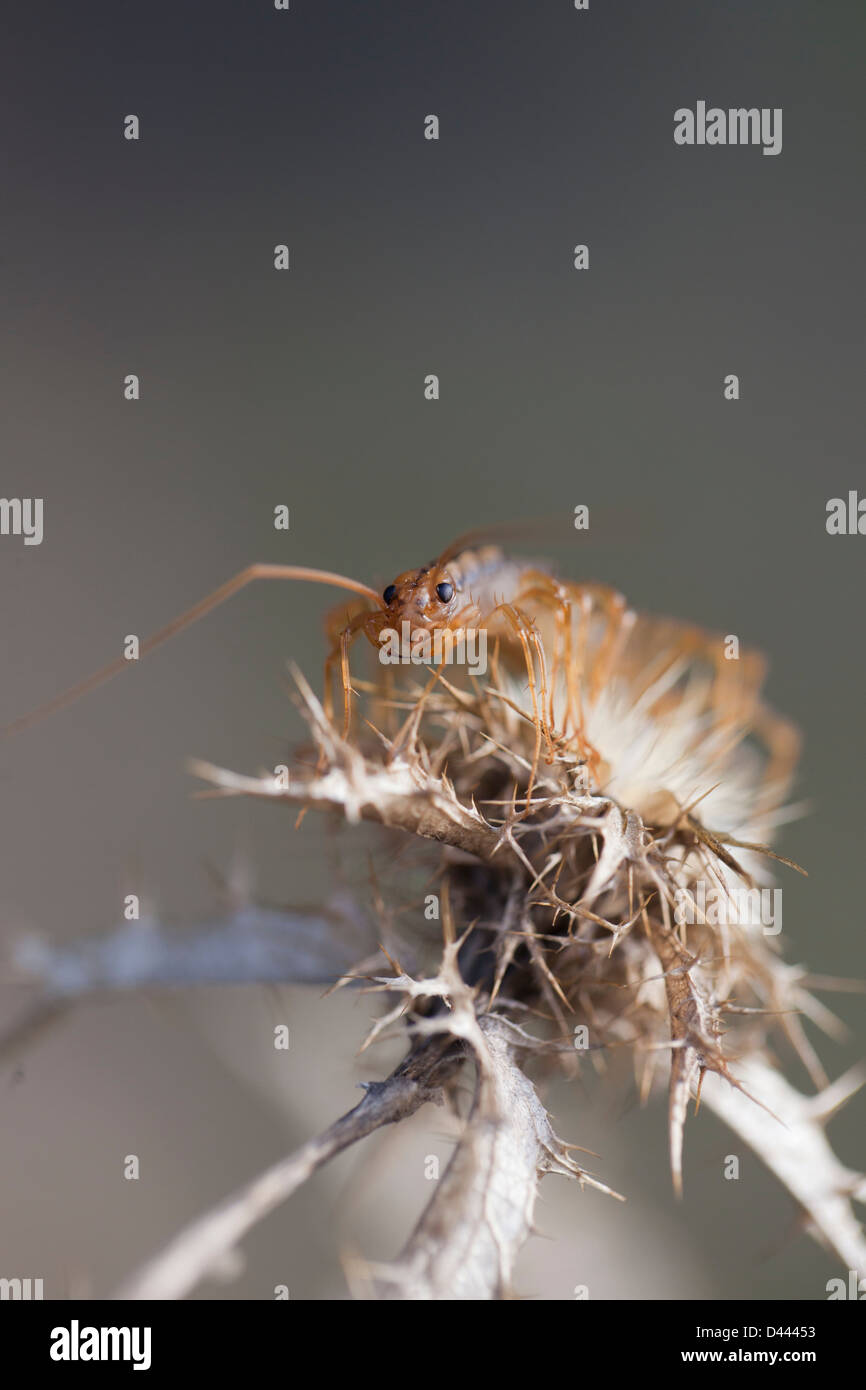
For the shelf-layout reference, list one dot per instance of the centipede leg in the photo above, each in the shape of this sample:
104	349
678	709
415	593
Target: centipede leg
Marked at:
561	599
339	653
542	586
524	632
339	656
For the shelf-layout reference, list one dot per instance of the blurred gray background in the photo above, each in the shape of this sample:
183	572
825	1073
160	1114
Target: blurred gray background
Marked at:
306	388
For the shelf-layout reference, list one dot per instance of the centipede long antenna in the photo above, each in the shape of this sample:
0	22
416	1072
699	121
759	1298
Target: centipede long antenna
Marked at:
184	620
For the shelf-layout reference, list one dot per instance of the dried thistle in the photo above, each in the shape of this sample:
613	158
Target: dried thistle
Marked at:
585	876
602	842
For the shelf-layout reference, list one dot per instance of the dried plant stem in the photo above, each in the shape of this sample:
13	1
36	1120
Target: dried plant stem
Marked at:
466	1244
797	1150
193	1253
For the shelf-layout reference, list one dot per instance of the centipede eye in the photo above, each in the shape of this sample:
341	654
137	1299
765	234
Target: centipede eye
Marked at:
445	592
390	593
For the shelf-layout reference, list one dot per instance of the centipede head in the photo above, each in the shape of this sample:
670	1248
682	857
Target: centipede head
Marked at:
425	598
